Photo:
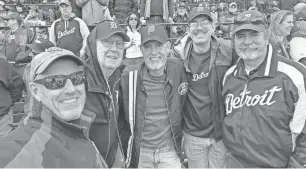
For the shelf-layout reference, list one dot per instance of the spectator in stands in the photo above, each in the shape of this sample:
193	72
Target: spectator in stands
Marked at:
206	59
298	42
103	56
10	91
69	32
32	18
56	133
3	12
16	39
20	9
214	14
152	130
94	11
156	11
121	9
280	27
265	100
289	4
133	56
181	17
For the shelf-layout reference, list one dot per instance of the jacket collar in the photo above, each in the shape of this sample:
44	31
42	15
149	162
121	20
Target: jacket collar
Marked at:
267	69
169	75
79	127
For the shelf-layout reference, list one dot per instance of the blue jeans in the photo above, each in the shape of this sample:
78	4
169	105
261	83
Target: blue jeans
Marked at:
166	157
204	152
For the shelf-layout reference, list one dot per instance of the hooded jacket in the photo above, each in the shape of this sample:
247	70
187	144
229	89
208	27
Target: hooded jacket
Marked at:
265	110
69	34
220	62
133	105
102	99
46	141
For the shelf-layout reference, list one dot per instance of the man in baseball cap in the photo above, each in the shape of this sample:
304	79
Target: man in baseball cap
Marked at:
159	74
104	53
268	91
200	50
57	115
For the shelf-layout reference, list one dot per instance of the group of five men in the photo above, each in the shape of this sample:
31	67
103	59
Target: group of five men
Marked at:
246	112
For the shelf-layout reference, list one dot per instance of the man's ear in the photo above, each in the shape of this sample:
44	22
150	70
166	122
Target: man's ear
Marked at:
34	91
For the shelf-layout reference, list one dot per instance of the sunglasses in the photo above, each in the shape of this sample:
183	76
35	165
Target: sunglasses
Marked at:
133	19
59	81
254	20
203	24
302	19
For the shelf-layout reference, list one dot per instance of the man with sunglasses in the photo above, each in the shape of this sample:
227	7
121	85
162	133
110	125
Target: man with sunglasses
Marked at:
265	100
152	100
298	42
104	55
56	134
206	59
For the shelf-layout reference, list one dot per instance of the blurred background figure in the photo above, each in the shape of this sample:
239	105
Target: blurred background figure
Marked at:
133	56
121	9
94	11
180	17
281	23
156	11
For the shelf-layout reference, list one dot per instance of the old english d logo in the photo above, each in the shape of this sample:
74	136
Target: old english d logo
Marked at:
113	25
151	29
183	88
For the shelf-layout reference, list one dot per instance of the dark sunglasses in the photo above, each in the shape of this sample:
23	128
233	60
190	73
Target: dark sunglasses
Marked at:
302	19
133	19
59	81
252	20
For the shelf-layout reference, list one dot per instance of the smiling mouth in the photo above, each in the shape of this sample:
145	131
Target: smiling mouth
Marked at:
69	101
111	57
155	58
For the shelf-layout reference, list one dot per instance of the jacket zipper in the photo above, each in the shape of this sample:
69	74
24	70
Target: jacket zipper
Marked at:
169	118
242	114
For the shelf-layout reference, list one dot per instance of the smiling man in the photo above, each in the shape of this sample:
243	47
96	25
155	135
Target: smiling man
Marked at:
152	101
103	55
55	134
265	101
206	60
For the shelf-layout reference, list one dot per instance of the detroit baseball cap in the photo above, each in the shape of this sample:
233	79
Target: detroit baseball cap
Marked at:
43	60
106	29
13	15
251	19
196	11
65	2
301	14
153	32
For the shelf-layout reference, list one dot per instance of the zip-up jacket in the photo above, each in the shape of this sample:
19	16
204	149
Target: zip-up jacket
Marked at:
102	99
69	34
45	141
220	62
133	107
265	111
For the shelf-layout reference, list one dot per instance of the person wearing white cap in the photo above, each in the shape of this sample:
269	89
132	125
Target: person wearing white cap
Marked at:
55	134
69	32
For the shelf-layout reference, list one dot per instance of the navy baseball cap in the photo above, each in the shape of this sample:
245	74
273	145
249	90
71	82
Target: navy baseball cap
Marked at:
252	20
196	11
153	32
106	29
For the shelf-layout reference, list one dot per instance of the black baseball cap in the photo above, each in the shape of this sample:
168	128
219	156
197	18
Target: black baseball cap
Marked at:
252	20
153	32
196	11
301	14
106	29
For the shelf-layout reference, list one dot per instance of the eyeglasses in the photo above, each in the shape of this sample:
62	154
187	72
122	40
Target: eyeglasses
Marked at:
203	23
254	20
108	44
133	19
302	19
59	81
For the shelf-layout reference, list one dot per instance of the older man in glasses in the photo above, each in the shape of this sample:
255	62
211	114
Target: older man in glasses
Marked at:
206	59
265	101
56	134
104	55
